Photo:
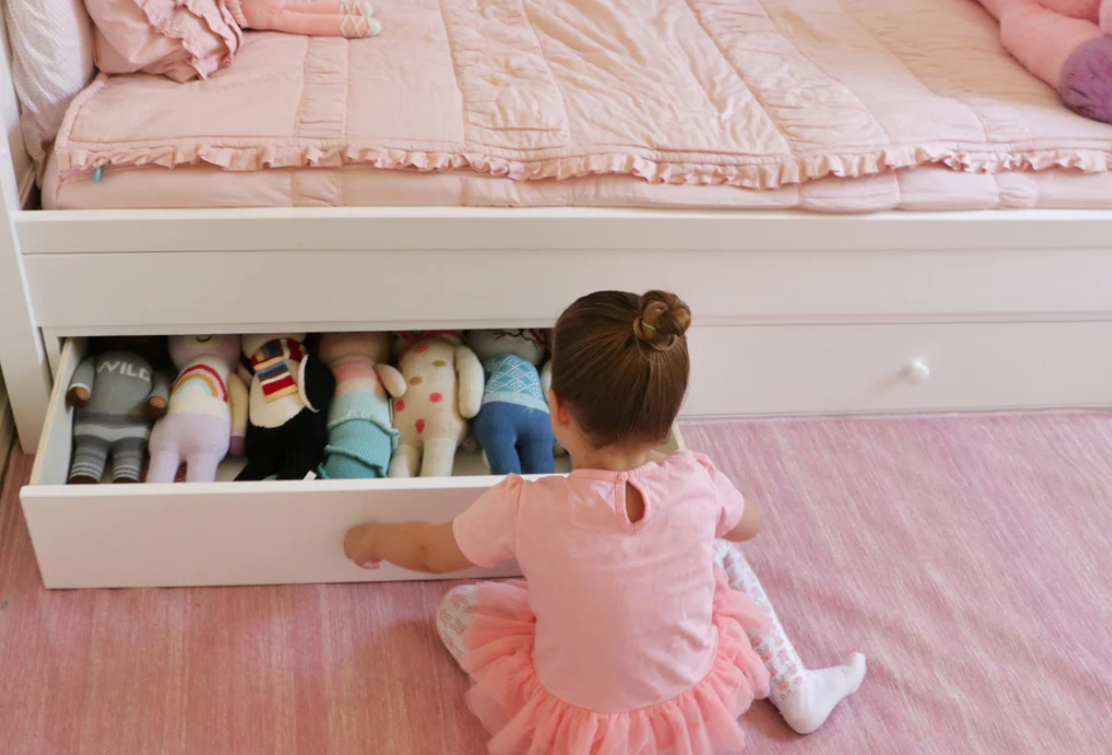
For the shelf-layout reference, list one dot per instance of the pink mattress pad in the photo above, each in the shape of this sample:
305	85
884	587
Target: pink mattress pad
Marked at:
924	189
720	98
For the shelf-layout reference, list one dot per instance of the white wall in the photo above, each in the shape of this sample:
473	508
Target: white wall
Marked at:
9	117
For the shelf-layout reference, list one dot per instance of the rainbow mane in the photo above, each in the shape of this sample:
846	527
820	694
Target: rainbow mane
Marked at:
205	376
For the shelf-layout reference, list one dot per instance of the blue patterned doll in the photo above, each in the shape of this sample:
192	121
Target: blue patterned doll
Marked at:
513	426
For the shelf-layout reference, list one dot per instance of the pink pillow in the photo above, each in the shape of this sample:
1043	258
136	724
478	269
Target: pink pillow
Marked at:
181	39
52	60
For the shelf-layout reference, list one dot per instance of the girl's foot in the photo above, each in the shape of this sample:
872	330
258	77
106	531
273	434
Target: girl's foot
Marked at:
804	697
808	704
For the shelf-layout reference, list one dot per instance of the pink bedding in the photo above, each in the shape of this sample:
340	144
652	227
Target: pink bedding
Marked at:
721	97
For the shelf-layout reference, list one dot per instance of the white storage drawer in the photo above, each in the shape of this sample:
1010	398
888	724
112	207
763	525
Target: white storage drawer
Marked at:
220	533
826	369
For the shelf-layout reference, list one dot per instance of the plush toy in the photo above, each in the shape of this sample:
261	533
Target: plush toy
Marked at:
348	18
287	407
116	394
155	349
513	426
444	389
1067	44
361	437
208	410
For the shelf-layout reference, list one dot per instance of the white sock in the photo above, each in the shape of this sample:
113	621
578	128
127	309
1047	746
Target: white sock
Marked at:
805	698
807	706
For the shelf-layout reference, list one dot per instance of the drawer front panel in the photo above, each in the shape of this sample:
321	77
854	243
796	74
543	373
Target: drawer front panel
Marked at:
821	369
226	533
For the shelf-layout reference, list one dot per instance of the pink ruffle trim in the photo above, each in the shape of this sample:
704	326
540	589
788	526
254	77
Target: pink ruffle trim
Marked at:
524	717
772	173
218	20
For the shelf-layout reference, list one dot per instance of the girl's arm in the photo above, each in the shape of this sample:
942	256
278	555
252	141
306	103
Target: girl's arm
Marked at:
417	546
749	525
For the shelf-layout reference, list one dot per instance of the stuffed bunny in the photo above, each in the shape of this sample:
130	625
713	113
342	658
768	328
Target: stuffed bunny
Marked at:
208	410
1067	44
444	389
287	407
348	18
116	394
361	437
513	426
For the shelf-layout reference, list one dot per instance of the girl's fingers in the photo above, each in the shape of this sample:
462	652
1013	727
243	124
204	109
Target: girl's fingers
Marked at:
372	564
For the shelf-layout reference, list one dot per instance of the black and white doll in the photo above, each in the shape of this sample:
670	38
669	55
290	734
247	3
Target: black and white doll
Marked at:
288	401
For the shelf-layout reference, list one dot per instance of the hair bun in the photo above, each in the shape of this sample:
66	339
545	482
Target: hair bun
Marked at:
664	319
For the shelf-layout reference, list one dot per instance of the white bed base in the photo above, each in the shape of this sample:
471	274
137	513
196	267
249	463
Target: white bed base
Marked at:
794	313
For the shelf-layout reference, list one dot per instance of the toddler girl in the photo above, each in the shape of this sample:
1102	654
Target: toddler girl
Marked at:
625	638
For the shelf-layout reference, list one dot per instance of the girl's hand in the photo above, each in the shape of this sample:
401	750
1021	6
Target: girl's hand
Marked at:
360	546
417	546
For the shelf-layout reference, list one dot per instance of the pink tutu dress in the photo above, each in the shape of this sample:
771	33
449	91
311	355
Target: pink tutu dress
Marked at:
625	639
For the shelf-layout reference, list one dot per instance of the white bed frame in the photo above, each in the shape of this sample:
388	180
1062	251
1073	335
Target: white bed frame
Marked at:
795	313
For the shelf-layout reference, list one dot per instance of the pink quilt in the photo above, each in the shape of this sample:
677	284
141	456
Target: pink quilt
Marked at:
757	94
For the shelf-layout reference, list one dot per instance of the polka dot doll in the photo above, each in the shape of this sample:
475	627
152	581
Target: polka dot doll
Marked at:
444	389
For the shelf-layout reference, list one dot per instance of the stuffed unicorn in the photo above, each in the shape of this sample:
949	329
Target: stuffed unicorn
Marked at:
208	410
1067	44
352	19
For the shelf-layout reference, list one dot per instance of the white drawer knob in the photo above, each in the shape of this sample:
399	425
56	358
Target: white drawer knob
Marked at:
917	372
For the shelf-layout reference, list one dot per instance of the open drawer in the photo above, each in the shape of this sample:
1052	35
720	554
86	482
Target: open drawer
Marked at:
221	533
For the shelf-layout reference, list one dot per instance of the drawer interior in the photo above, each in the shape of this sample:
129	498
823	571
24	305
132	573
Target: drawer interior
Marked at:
56	448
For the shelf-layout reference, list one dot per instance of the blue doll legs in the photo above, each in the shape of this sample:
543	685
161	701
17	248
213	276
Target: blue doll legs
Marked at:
517	439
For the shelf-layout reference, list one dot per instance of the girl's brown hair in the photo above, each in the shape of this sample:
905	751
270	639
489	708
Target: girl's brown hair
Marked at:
620	363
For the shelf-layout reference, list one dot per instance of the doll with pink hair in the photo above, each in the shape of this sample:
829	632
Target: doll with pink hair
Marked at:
1067	44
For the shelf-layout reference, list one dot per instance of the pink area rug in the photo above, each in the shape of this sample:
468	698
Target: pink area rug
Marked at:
970	558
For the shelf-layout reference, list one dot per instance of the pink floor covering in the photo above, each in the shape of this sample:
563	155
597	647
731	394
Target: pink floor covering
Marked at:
971	558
